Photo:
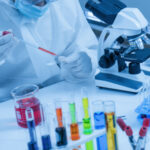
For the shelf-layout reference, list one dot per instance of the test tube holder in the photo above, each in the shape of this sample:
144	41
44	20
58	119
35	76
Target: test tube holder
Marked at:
83	140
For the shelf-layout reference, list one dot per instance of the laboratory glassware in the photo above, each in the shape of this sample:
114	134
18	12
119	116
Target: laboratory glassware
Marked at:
87	126
61	133
109	109
128	131
74	128
32	144
99	123
44	130
24	97
142	139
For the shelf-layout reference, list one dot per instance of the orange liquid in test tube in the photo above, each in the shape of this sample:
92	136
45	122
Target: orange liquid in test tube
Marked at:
59	117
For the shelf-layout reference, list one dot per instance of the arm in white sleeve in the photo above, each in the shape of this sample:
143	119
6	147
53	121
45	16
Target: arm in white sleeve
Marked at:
85	37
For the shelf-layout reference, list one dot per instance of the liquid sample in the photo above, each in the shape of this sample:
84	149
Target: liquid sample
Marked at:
59	117
72	112
46	142
111	131
61	136
21	106
74	129
99	123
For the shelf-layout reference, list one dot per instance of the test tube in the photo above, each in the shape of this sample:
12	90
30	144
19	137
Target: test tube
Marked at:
45	137
99	123
32	145
142	139
109	109
61	134
87	127
74	128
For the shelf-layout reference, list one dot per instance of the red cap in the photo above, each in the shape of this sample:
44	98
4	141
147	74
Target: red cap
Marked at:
146	122
121	123
143	131
6	32
128	131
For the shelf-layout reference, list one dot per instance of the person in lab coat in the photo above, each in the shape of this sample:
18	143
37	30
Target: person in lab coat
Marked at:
59	26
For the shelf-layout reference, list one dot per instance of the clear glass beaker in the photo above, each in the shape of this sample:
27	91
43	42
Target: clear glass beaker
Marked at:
24	97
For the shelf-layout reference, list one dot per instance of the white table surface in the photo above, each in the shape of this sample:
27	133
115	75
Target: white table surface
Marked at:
13	137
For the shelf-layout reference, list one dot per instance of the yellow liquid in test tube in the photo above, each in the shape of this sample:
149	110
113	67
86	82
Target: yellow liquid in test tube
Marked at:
111	131
85	108
87	128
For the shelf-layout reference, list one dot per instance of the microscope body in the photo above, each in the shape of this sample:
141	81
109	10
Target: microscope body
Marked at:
121	52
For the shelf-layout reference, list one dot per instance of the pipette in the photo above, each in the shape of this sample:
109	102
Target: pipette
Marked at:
32	45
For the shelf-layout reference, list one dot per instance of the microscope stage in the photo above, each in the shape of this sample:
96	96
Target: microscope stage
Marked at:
111	81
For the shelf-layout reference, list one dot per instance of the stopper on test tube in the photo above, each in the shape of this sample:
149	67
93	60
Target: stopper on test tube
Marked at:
128	131
121	124
146	122
143	131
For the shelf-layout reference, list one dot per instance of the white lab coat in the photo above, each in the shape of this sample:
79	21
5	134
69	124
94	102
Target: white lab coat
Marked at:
63	23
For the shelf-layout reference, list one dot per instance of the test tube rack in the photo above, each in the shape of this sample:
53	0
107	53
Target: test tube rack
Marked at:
83	140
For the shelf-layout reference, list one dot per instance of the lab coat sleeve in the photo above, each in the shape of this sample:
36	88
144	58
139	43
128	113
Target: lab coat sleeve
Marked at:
85	37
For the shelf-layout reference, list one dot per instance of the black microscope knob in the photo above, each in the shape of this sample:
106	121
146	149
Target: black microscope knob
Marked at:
106	62
134	68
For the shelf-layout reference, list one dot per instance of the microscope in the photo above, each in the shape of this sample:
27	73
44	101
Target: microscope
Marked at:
123	46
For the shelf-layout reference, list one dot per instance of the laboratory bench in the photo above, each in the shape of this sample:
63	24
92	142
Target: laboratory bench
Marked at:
13	137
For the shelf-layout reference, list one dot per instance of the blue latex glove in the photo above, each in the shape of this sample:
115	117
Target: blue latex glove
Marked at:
77	67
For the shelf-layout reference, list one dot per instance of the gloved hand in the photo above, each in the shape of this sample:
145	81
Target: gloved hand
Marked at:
77	67
7	42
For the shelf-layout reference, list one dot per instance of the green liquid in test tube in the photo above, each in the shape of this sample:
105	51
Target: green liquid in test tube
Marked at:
87	128
72	112
74	129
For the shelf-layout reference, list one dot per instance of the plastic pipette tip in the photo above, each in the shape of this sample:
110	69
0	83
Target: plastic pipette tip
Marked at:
146	122
143	131
121	124
128	131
